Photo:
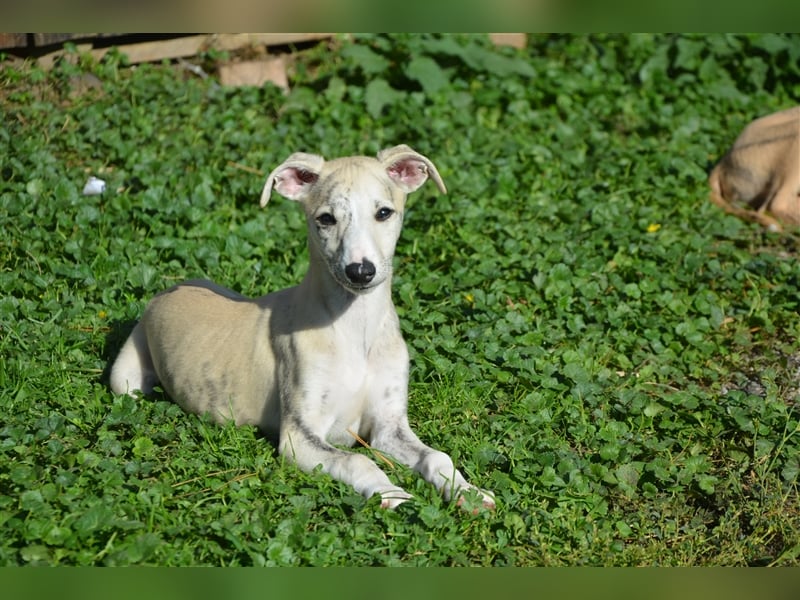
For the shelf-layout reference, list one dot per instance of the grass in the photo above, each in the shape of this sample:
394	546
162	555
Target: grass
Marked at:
590	338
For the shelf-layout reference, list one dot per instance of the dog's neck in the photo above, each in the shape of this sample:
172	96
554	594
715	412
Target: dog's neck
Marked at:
354	314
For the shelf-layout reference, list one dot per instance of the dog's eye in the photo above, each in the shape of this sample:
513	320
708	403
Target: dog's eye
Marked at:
326	219
383	214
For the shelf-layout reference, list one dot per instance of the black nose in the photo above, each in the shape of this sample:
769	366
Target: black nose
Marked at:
362	272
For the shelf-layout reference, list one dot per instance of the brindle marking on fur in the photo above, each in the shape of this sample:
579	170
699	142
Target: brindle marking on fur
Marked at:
312	437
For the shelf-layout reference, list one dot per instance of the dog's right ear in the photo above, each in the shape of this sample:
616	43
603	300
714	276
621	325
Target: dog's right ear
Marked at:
294	177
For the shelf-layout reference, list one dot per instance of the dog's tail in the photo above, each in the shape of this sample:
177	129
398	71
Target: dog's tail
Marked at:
716	197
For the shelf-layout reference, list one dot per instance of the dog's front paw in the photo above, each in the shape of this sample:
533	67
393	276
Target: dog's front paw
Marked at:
394	497
472	499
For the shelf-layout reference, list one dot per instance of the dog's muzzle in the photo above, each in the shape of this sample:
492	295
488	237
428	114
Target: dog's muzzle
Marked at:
360	273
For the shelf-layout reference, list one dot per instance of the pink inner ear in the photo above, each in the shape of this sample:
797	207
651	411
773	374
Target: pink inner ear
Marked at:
291	181
408	172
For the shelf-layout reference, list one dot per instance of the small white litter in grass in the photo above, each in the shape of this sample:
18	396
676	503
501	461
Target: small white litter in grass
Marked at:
94	186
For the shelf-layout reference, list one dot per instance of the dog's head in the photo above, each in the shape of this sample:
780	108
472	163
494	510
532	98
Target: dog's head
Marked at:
354	208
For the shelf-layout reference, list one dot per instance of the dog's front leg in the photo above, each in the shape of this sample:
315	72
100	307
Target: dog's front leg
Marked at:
395	437
307	450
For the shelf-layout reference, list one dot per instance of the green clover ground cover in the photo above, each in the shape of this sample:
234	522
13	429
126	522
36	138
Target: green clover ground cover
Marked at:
590	338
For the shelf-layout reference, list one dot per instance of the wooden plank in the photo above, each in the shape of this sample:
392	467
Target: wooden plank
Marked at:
516	40
46	39
50	39
13	40
233	41
192	45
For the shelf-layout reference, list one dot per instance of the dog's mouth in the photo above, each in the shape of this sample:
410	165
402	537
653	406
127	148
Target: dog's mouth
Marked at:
358	287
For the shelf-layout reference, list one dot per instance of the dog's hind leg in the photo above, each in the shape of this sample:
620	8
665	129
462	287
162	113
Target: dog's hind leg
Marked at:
133	370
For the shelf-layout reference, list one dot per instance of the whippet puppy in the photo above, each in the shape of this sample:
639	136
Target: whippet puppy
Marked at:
315	365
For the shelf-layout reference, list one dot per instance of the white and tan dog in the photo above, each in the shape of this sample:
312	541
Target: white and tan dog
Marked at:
758	179
314	364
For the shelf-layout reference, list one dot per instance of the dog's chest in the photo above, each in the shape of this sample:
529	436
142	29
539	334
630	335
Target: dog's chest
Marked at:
348	383
341	391
345	380
346	369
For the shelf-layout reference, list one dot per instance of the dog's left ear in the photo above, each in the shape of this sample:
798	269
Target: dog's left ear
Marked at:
409	169
294	177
